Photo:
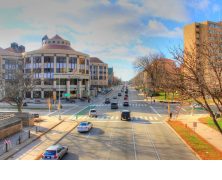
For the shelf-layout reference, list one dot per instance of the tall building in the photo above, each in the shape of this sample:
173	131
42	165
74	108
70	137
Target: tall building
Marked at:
99	73
59	68
8	64
198	35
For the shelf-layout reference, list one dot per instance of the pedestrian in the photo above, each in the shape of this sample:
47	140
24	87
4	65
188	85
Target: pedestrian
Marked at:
171	115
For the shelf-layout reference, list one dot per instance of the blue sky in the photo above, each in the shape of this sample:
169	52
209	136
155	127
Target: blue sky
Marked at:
116	31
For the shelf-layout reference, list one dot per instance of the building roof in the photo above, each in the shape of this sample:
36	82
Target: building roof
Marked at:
57	37
8	52
56	45
96	60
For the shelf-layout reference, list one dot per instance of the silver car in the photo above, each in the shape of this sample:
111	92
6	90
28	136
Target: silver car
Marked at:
84	126
55	152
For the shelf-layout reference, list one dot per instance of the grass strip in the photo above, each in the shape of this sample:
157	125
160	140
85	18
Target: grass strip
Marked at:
209	122
205	150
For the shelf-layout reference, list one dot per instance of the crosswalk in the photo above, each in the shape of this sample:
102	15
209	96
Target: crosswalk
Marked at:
115	118
120	104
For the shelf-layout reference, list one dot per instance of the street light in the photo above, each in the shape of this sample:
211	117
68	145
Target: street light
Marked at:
59	99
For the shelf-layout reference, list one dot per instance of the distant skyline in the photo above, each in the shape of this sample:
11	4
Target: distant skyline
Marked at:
116	31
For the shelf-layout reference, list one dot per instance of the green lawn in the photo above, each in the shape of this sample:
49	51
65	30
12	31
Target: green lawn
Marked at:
169	96
209	122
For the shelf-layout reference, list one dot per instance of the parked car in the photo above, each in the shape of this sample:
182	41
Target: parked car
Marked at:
197	106
114	106
92	113
55	152
25	104
84	126
125	115
35	115
125	98
125	103
119	94
107	101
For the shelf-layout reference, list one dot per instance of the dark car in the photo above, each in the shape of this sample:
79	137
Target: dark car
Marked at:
25	104
125	98
119	94
107	101
125	103
125	115
114	106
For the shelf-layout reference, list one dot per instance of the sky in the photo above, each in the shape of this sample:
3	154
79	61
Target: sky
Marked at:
116	31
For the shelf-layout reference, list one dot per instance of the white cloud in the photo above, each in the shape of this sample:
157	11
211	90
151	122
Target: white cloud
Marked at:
158	29
97	27
199	4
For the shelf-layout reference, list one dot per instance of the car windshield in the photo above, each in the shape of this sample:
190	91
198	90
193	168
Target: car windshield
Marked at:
83	124
50	152
125	113
93	111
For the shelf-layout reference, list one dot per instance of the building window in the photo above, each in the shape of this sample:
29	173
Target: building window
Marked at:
73	81
72	64
62	82
61	64
28	95
48	82
37	94
48	94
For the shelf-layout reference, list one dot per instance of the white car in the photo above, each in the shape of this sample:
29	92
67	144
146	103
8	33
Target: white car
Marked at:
55	152
197	106
92	113
84	126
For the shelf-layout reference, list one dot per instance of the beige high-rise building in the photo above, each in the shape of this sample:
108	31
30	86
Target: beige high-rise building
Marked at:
198	36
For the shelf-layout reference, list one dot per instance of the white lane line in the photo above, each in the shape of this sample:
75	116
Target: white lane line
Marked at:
184	109
151	141
146	118
112	117
151	118
155	118
134	143
110	138
116	117
155	111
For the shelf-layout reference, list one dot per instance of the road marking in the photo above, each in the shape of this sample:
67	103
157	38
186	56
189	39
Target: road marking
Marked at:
154	147
155	118
134	143
151	118
155	111
184	109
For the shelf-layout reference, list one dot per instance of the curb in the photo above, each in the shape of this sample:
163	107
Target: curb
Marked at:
39	156
199	158
13	152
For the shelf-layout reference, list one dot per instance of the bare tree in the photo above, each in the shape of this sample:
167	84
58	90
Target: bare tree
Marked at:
17	85
155	70
199	76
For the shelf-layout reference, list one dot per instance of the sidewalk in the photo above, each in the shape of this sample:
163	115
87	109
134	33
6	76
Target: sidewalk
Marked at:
47	123
208	133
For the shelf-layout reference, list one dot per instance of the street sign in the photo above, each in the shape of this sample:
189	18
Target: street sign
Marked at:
67	95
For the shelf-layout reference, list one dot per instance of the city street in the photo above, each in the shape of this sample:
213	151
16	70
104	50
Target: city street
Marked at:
147	136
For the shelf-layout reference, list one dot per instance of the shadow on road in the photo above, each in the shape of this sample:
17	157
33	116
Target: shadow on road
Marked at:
70	156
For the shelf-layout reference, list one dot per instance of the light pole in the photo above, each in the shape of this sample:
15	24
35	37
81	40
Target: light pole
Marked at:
59	99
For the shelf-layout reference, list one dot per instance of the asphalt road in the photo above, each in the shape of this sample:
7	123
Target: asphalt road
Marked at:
146	137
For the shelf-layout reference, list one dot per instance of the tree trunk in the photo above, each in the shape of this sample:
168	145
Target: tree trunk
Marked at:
19	107
216	123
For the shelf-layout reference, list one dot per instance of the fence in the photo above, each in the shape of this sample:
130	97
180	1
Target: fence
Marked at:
11	142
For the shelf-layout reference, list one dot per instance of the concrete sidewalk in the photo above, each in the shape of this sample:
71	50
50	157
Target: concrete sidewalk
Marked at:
211	135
